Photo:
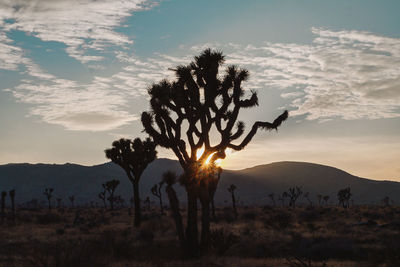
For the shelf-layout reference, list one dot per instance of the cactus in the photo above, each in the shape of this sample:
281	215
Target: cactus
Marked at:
133	157
48	192
231	189
294	193
344	196
3	205
11	193
156	191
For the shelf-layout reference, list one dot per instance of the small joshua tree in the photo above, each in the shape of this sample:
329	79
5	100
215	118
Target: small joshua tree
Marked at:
307	197
102	196
72	199
272	197
3	205
169	178
283	197
48	192
319	197
344	196
148	203
133	157
326	198
59	202
231	189
11	193
386	201
110	187
294	193
156	191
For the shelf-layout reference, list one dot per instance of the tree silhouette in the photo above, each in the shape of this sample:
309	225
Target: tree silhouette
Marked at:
344	196
133	157
3	205
170	178
294	193
386	201
110	187
307	197
231	189
185	112
72	199
147	202
272	197
11	193
48	192
156	191
59	200
283	197
102	196
319	197
326	198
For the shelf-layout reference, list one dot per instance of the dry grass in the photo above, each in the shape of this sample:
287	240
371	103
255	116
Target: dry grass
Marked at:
262	236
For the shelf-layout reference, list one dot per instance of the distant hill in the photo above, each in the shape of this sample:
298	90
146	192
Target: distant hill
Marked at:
254	184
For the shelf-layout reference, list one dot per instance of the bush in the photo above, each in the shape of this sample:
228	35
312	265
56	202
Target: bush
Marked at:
221	241
49	218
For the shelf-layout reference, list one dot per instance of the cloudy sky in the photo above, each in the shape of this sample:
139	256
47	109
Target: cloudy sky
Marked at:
74	75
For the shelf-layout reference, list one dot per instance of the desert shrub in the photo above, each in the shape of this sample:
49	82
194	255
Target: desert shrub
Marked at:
49	218
280	220
250	215
145	235
309	215
222	240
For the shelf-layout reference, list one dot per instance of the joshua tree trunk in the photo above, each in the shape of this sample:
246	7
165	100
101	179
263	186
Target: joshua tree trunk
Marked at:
136	199
12	196
212	207
48	200
3	205
161	205
192	238
205	219
174	203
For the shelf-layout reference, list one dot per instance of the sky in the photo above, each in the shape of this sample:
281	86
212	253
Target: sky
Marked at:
74	76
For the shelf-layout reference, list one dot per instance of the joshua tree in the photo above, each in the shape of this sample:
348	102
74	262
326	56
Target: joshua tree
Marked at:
307	197
386	201
72	199
183	114
147	202
231	189
3	205
59	200
170	178
110	187
294	193
102	196
11	193
156	191
272	197
326	198
283	197
344	196
48	192
133	158
319	197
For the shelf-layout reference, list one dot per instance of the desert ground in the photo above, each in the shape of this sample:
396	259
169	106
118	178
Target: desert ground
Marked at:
261	236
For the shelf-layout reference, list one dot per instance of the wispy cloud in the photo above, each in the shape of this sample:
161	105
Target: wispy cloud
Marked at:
83	26
345	74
